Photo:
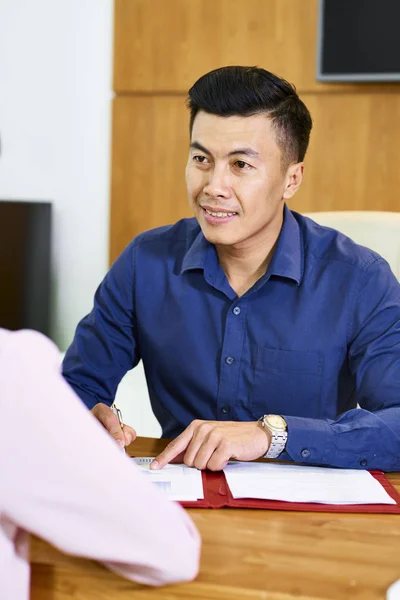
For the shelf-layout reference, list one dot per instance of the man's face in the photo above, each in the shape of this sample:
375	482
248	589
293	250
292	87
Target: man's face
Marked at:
235	180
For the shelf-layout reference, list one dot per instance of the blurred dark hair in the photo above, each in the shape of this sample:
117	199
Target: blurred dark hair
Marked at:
247	91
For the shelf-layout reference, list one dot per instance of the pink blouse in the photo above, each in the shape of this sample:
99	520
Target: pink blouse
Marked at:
64	479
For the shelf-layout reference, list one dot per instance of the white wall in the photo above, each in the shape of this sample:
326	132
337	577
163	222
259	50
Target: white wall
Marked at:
133	400
55	106
55	122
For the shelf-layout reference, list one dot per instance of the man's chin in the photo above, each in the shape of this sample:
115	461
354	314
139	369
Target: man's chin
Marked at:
218	237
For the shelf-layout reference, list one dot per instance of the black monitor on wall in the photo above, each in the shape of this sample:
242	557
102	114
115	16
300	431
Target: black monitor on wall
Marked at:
358	40
25	263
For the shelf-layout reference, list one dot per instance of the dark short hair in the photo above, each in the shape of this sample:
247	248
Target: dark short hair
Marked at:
247	91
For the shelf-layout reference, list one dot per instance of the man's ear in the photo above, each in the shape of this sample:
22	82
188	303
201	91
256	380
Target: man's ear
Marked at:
293	179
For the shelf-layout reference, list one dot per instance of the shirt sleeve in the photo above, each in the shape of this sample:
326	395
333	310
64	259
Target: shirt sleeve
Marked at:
104	347
64	479
367	437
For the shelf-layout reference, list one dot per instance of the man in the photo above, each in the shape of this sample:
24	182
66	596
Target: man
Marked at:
76	490
259	330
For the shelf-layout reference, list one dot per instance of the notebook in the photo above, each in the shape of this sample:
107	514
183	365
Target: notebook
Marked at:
276	486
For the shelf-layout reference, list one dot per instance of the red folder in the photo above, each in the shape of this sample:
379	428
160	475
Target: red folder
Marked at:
218	495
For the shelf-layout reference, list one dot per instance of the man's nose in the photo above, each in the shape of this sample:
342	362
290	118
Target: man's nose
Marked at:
218	183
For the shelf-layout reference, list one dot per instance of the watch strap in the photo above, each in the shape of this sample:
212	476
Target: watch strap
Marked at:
278	444
278	438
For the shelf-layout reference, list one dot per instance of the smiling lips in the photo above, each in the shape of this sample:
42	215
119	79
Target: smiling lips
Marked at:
214	215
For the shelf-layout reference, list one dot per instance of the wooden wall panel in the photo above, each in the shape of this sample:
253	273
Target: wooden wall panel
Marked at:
150	148
171	44
162	47
351	163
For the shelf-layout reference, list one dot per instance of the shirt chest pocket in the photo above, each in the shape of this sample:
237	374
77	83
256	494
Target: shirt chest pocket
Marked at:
287	382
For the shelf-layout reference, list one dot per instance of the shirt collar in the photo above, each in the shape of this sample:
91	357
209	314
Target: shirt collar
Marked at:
196	256
287	260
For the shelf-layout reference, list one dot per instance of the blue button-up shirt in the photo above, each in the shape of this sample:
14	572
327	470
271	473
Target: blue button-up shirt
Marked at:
318	334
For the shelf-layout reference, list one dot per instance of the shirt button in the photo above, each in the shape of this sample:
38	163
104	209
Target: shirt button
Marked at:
236	310
305	453
229	360
363	463
224	410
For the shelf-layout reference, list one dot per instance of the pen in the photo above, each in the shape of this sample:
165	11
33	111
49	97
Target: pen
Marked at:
118	414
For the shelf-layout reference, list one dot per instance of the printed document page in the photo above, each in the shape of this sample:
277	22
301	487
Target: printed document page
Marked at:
179	482
293	483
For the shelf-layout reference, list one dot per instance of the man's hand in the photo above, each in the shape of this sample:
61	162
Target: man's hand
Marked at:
211	444
110	422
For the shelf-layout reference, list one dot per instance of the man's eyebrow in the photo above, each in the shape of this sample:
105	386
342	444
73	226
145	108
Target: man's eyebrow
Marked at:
246	151
198	146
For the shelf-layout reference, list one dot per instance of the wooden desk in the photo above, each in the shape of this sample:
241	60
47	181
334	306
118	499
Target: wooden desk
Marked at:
248	555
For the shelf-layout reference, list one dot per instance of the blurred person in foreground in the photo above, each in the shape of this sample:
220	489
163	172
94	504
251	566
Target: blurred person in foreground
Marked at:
64	480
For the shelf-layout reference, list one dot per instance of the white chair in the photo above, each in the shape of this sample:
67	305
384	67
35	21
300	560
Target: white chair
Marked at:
377	230
393	592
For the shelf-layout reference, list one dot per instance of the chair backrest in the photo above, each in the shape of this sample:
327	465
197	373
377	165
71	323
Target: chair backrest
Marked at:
377	230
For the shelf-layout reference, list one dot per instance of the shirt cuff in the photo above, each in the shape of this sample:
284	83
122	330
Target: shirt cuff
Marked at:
309	440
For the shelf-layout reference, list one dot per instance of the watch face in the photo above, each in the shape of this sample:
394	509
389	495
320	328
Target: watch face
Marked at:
276	422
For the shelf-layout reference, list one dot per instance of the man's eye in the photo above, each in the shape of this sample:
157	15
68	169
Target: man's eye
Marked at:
242	165
200	159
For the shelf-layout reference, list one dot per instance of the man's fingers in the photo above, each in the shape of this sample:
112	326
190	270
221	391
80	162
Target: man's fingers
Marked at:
213	446
178	459
219	458
129	434
110	422
201	447
112	425
173	449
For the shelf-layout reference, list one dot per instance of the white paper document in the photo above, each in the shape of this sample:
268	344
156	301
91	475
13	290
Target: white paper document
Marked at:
293	483
179	482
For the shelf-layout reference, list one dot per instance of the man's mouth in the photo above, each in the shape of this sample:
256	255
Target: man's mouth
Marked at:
219	214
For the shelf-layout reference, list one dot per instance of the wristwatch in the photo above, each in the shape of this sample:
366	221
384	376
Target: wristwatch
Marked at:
278	429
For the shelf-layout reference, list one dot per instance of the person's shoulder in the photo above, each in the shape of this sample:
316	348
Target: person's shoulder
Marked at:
169	241
178	233
29	345
330	245
159	245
